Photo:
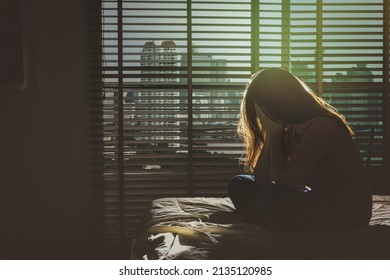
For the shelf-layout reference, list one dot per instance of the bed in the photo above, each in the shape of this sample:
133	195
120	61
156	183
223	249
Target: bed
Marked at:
208	228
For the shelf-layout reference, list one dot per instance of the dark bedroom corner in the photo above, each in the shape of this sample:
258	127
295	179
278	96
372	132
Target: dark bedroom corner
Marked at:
119	121
47	200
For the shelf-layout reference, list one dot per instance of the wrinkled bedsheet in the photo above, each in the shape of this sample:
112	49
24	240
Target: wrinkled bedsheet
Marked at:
208	228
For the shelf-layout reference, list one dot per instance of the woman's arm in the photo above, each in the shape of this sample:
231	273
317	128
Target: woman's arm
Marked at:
271	165
272	161
262	169
278	158
316	140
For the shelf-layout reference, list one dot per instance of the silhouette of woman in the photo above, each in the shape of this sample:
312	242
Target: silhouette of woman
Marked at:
304	168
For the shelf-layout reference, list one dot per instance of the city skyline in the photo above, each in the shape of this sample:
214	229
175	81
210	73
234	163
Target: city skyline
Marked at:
224	31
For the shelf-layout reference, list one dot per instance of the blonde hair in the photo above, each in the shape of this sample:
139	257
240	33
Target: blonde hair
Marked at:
288	98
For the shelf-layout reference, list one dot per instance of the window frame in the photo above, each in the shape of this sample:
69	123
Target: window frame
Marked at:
378	172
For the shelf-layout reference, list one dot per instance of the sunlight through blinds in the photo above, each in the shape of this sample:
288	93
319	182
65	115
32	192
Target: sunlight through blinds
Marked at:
170	78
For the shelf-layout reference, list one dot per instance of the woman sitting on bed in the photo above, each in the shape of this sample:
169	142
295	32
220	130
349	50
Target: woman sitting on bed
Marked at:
307	170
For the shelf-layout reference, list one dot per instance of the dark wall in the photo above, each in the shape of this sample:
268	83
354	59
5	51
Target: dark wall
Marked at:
44	193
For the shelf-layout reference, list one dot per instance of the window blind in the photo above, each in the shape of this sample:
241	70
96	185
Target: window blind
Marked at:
352	47
171	74
221	63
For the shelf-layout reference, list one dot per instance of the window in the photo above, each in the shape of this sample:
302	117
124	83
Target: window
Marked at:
171	75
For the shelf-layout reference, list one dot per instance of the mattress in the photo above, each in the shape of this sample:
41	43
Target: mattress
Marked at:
209	228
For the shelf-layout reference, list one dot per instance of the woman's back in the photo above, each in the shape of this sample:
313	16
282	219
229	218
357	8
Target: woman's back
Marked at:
333	165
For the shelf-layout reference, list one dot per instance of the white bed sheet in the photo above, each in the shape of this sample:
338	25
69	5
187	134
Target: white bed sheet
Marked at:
208	228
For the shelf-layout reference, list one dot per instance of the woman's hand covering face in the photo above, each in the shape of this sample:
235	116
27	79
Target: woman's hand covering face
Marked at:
272	127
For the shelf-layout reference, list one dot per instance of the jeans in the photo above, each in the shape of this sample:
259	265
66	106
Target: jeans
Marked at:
279	207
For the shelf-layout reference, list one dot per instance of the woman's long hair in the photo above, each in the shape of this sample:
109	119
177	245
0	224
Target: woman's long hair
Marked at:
283	96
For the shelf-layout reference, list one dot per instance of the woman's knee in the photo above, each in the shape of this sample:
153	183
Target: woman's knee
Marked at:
238	182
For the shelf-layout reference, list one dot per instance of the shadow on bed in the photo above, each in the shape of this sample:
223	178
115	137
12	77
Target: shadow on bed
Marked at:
209	228
248	241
